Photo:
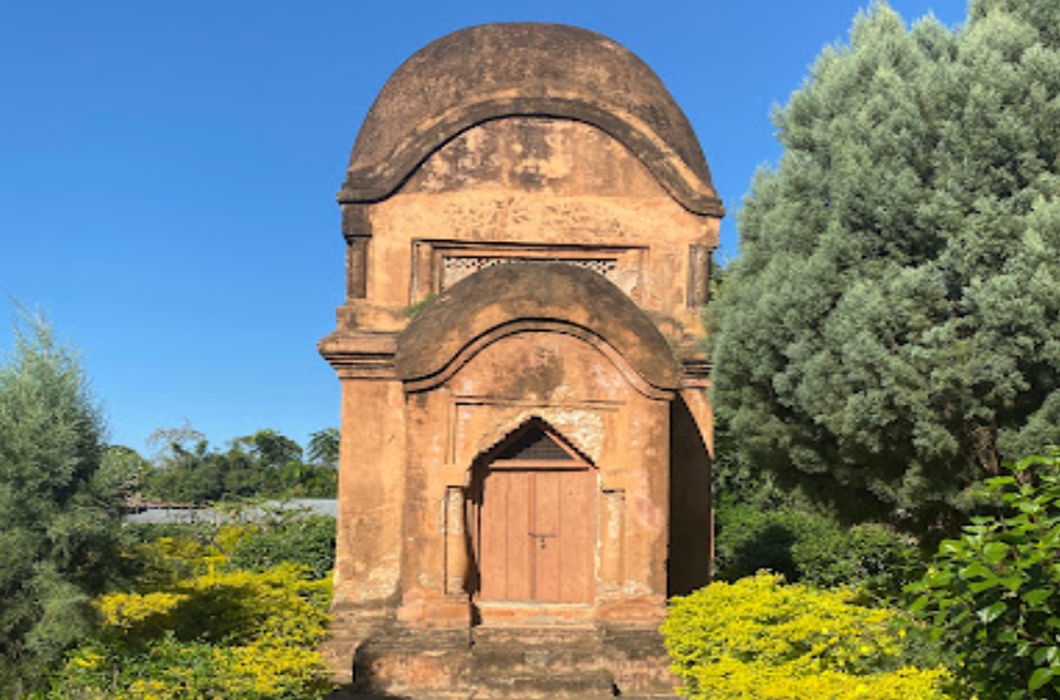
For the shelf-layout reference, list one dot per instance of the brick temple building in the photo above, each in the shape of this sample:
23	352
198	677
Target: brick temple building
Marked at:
526	431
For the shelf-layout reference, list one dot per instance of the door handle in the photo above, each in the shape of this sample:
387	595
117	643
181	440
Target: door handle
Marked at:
541	537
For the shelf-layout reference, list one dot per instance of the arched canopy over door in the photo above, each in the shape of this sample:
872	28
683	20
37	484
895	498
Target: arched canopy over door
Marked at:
534	538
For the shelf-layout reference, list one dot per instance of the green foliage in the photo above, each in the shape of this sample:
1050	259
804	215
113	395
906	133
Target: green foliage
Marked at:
174	670
736	480
891	328
814	549
266	464
252	538
411	312
307	540
757	639
323	447
196	627
59	505
871	556
124	469
158	556
269	448
993	592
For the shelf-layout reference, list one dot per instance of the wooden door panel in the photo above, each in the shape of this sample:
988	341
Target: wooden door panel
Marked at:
547	536
504	551
492	541
537	535
520	552
578	527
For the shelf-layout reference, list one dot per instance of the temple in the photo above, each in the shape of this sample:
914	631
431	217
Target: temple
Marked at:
526	427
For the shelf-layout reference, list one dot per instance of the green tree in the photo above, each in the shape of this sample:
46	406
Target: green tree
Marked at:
288	535
127	467
183	471
265	464
891	329
271	449
324	447
275	460
178	472
60	505
320	478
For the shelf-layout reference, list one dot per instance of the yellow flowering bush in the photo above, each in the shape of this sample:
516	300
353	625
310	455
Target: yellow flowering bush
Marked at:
148	614
233	606
174	670
237	635
758	639
162	561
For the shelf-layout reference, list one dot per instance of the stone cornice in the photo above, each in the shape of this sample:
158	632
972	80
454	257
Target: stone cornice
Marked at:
360	355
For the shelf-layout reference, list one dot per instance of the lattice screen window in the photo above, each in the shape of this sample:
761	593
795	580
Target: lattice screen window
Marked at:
535	445
457	267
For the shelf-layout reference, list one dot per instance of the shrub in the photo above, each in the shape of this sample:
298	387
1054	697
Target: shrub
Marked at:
868	555
808	547
198	629
308	540
236	607
757	639
159	558
250	537
993	593
174	670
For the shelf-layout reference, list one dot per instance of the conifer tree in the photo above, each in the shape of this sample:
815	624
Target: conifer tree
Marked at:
891	329
59	506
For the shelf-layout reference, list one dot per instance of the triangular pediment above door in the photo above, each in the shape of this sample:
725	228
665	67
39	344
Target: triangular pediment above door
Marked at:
535	442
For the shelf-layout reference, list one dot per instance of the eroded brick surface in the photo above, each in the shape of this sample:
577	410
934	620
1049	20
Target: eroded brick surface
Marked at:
528	249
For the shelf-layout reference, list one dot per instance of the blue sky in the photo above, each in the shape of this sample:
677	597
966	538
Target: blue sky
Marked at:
168	171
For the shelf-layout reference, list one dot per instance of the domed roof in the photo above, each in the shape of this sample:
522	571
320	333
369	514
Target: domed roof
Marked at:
525	68
543	293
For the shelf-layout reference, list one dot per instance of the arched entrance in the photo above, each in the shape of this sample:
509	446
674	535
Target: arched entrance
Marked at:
534	520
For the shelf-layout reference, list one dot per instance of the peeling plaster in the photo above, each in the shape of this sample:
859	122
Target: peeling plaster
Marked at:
381	580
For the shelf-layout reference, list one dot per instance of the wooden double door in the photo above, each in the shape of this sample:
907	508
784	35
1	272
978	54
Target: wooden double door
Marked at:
536	525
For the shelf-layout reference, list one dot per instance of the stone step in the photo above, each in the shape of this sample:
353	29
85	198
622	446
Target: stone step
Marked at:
544	685
538	663
347	631
533	652
508	663
584	635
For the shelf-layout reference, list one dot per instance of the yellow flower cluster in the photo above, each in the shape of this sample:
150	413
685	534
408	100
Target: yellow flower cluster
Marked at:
736	680
268	671
128	610
758	639
238	635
